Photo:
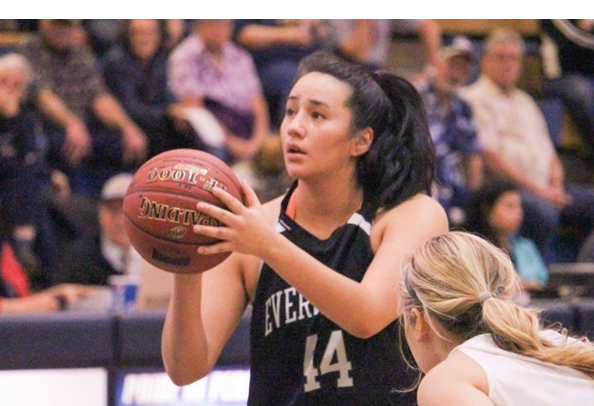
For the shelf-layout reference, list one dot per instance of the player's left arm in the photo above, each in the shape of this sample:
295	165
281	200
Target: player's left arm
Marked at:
361	308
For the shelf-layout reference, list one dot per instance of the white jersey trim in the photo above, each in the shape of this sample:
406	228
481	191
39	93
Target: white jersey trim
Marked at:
358	220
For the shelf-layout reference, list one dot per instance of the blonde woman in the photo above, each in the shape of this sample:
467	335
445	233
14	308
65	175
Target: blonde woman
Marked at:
474	344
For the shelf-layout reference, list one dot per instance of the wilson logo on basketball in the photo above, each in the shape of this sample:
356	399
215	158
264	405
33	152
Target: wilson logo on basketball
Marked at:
177	232
151	209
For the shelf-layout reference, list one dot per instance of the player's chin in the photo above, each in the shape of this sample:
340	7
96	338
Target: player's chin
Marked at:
295	170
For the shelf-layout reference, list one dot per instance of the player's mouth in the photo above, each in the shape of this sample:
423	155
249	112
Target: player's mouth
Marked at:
293	149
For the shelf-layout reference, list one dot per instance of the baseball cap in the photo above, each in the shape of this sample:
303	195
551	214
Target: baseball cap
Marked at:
115	187
460	46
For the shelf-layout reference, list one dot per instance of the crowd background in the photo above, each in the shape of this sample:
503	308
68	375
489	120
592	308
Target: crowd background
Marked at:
93	99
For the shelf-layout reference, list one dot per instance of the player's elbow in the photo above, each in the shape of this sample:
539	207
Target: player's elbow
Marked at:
365	328
364	332
184	376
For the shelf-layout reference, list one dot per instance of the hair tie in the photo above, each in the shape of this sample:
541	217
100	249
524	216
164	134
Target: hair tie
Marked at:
485	296
488	295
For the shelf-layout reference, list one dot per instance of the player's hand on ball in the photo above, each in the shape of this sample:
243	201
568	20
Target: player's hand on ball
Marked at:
245	229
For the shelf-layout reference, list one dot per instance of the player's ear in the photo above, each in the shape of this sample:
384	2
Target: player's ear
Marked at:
421	327
361	142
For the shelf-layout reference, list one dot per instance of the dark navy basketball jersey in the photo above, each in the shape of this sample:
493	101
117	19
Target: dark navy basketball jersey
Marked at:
298	356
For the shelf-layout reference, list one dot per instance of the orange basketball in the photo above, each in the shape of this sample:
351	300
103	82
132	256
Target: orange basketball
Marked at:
160	208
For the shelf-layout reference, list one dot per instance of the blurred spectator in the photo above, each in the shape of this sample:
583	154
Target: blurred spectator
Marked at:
26	179
495	212
266	172
70	92
277	47
18	25
176	30
368	41
104	251
208	70
429	33
16	295
100	34
136	73
518	146
568	53
362	41
459	162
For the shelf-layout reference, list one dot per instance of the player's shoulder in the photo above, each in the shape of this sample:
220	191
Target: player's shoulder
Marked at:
420	209
458	373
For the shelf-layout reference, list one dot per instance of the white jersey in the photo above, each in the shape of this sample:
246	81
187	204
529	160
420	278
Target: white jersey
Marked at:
517	380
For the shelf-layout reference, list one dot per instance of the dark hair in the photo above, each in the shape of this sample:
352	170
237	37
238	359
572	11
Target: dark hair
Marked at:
479	207
125	35
400	161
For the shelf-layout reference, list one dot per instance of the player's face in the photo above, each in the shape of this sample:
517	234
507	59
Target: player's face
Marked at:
507	214
315	131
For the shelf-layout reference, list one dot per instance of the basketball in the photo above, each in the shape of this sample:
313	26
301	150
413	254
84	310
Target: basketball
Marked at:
160	208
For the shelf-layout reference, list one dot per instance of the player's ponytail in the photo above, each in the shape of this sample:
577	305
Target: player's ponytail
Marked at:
466	284
400	160
518	330
400	163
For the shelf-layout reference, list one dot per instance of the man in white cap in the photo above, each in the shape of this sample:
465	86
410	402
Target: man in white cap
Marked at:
98	255
459	163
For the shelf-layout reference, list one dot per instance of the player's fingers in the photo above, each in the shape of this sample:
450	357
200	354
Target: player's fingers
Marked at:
218	232
218	213
251	198
231	202
217	248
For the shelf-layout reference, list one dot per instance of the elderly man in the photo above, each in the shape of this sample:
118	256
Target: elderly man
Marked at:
518	145
459	164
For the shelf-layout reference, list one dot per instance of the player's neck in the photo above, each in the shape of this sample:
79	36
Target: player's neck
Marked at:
331	204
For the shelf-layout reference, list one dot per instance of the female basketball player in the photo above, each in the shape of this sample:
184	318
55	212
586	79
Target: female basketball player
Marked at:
475	345
320	265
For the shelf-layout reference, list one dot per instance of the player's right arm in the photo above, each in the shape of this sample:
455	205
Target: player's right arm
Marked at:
204	310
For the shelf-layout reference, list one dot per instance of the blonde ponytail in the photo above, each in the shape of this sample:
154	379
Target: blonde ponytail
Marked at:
518	330
466	284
